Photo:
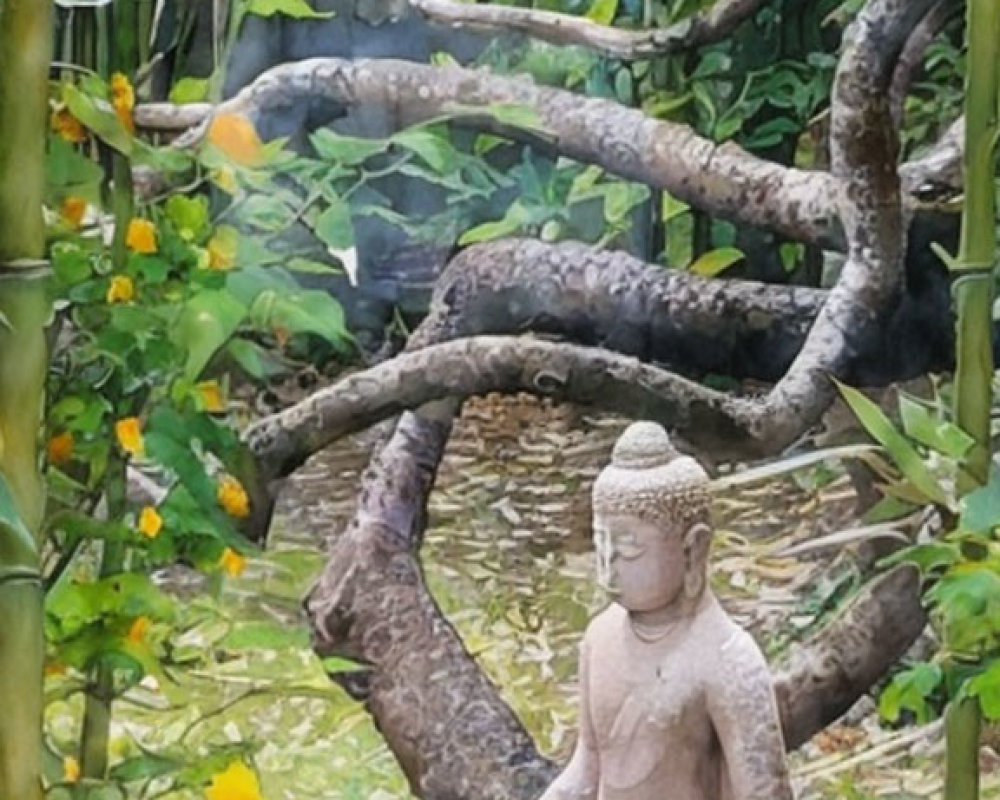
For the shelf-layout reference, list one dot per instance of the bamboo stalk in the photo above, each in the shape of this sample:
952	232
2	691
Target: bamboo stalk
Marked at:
25	53
973	293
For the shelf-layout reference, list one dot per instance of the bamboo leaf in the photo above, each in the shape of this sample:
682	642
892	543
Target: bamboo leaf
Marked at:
903	453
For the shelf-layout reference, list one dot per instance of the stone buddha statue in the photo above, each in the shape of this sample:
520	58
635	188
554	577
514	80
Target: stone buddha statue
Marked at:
676	700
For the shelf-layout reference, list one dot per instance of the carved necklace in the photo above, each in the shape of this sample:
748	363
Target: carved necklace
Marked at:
651	633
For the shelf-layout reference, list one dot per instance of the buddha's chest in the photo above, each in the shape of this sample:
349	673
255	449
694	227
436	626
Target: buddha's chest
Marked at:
651	691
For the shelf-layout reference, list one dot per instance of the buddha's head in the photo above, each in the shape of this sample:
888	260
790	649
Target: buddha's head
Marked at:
651	521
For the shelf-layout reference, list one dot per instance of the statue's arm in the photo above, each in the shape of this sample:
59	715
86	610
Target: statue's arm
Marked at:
745	715
579	780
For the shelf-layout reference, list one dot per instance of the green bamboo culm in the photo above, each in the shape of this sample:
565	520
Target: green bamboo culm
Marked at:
973	295
25	53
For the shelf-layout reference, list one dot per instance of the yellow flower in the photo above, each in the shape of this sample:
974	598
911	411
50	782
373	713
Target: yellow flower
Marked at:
71	769
67	126
232	563
138	630
222	248
121	289
141	236
235	136
233	497
129	433
123	100
210	396
150	522
60	448
235	782
72	210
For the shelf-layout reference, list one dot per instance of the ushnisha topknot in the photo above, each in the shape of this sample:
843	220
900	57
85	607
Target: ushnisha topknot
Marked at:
648	478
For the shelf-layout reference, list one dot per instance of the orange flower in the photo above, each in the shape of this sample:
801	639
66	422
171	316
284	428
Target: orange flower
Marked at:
150	522
233	497
232	563
121	289
60	448
129	433
67	126
72	210
210	396
54	668
123	100
141	236
138	630
71	769
236	137
235	782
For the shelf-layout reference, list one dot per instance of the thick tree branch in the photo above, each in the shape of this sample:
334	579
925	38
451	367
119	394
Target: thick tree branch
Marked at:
445	722
721	179
711	25
824	677
585	375
938	174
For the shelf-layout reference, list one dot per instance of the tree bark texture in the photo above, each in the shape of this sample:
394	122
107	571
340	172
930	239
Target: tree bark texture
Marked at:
711	25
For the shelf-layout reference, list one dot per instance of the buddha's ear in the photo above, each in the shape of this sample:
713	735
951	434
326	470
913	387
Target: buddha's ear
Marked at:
697	543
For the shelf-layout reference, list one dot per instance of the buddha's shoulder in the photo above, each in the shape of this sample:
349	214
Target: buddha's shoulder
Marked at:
735	655
608	621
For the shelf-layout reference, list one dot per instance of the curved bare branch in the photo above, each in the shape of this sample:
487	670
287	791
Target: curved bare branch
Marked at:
462	368
705	27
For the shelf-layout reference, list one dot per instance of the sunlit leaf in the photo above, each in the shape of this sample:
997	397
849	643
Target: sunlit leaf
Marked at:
296	9
206	323
899	448
714	262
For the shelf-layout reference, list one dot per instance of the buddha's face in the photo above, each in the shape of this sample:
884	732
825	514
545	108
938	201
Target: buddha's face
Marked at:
641	563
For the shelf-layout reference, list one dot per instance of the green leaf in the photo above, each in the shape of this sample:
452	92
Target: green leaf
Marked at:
311	311
99	116
189	90
296	9
602	11
143	767
981	507
69	170
335	665
716	261
189	216
334	227
516	216
899	448
921	424
986	686
433	149
927	557
258	362
620	198
205	324
265	636
310	267
347	150
910	690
